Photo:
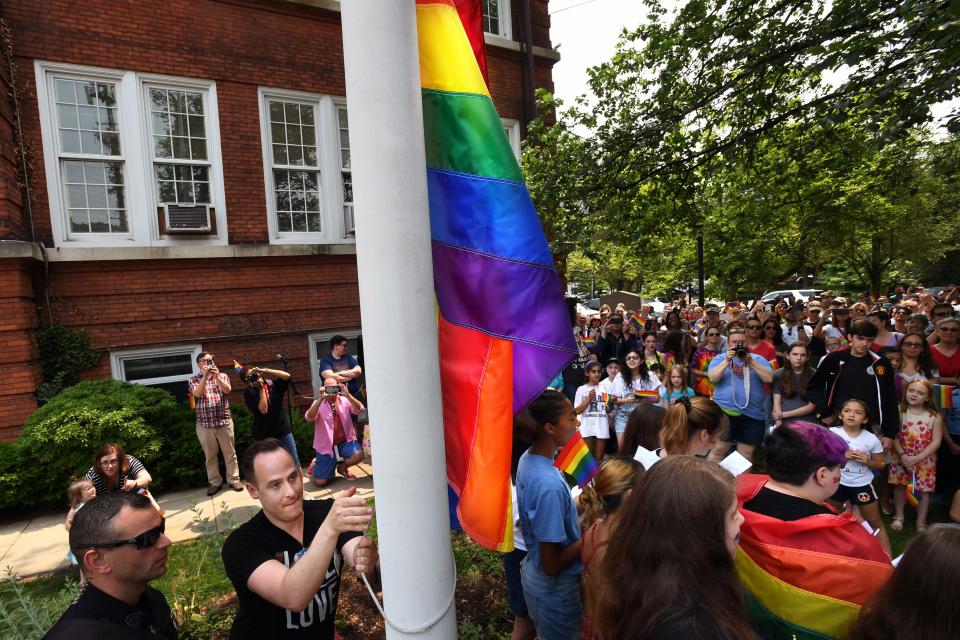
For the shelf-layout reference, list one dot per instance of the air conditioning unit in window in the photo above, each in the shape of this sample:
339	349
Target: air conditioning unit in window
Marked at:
349	228
193	218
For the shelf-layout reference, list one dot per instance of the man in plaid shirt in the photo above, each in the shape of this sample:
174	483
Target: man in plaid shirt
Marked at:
210	389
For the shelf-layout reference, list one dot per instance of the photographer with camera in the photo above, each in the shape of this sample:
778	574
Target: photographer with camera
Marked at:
739	377
210	389
264	397
334	429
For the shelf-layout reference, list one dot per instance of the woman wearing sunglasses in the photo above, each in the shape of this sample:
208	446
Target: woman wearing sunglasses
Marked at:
633	385
707	351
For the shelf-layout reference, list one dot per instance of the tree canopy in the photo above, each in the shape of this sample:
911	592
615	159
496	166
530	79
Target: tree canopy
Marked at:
790	133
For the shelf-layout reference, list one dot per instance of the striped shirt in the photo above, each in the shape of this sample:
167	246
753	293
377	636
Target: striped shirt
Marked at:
135	468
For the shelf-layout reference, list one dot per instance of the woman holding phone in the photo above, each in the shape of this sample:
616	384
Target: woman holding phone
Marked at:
833	324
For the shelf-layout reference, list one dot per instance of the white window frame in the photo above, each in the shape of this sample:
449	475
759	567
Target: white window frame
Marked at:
512	129
137	156
332	229
503	9
117	359
313	339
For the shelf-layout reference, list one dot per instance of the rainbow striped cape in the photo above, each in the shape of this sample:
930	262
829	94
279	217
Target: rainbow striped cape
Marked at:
504	330
805	579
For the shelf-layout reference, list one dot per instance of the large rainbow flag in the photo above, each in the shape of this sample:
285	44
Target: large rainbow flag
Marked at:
503	324
805	579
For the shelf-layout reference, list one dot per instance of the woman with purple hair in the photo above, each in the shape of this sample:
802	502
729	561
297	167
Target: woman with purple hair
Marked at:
807	569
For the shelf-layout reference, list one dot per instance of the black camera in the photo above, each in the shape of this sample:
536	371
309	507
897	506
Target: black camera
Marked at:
331	390
253	377
741	352
209	362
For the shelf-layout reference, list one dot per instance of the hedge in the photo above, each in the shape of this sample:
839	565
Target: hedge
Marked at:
60	438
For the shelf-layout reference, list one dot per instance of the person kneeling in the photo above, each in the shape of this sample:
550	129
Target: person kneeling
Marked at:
334	428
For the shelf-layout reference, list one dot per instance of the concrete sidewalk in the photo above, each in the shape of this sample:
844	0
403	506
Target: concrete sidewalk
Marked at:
40	545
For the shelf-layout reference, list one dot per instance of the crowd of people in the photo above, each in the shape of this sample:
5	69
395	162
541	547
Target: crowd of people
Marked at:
840	396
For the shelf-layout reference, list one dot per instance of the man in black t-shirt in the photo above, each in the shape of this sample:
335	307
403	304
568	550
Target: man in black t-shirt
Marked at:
285	562
119	543
264	397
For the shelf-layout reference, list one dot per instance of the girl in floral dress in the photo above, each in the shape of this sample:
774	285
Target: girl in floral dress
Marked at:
916	444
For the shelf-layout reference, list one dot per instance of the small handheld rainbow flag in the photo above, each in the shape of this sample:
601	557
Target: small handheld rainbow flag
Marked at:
237	366
576	461
912	490
635	321
774	364
604	397
588	342
943	396
644	394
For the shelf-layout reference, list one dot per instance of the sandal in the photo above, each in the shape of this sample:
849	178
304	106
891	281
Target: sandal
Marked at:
921	526
897	524
345	472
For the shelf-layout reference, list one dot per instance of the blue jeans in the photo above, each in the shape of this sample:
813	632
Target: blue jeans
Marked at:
553	602
623	414
291	446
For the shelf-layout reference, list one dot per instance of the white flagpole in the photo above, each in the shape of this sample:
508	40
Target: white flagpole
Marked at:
397	302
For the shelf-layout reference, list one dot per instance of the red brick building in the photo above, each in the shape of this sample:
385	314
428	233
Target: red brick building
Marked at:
183	182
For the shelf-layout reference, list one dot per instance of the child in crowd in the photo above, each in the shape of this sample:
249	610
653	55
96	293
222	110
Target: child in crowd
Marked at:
591	405
916	445
675	386
790	387
601	500
864	456
692	427
79	492
550	574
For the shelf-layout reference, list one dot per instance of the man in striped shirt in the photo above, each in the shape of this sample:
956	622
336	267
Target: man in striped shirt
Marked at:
210	389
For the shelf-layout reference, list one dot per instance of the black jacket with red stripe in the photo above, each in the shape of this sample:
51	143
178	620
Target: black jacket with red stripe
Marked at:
870	379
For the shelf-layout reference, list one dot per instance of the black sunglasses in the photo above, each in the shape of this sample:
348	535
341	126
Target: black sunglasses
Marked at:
143	541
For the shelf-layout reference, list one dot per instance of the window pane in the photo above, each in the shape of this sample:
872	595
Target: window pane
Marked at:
99	221
181	148
278	133
66	91
90	143
295	155
114	173
162	147
201	192
306	114
67	116
158	100
106	94
313	221
73	171
166	192
79	221
178	101
157	367
347	179
284	221
115	197
292	113
299	221
164	172
118	221
196	127
88	117
310	156
108	119
111	143
93	172
76	196
198	149
195	103
309	136
280	154
70	141
293	134
97	197
178	125
87	93
185	192
276	112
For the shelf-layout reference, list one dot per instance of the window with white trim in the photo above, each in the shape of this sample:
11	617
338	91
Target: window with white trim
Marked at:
165	367
496	17
119	145
511	128
306	155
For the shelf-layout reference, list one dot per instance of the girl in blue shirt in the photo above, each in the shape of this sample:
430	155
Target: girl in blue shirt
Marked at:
550	573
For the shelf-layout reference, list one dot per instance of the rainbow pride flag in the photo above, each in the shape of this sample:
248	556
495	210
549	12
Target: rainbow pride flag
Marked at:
805	579
604	397
646	395
635	321
775	364
588	342
911	493
943	396
503	326
576	461
237	366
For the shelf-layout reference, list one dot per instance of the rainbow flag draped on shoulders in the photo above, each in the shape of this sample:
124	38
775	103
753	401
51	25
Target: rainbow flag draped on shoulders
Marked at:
504	329
805	579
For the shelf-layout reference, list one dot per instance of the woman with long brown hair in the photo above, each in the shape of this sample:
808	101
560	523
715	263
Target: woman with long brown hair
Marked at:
114	470
790	387
692	427
668	570
921	598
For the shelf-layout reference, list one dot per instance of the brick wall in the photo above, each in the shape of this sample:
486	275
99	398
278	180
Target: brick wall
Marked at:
19	368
